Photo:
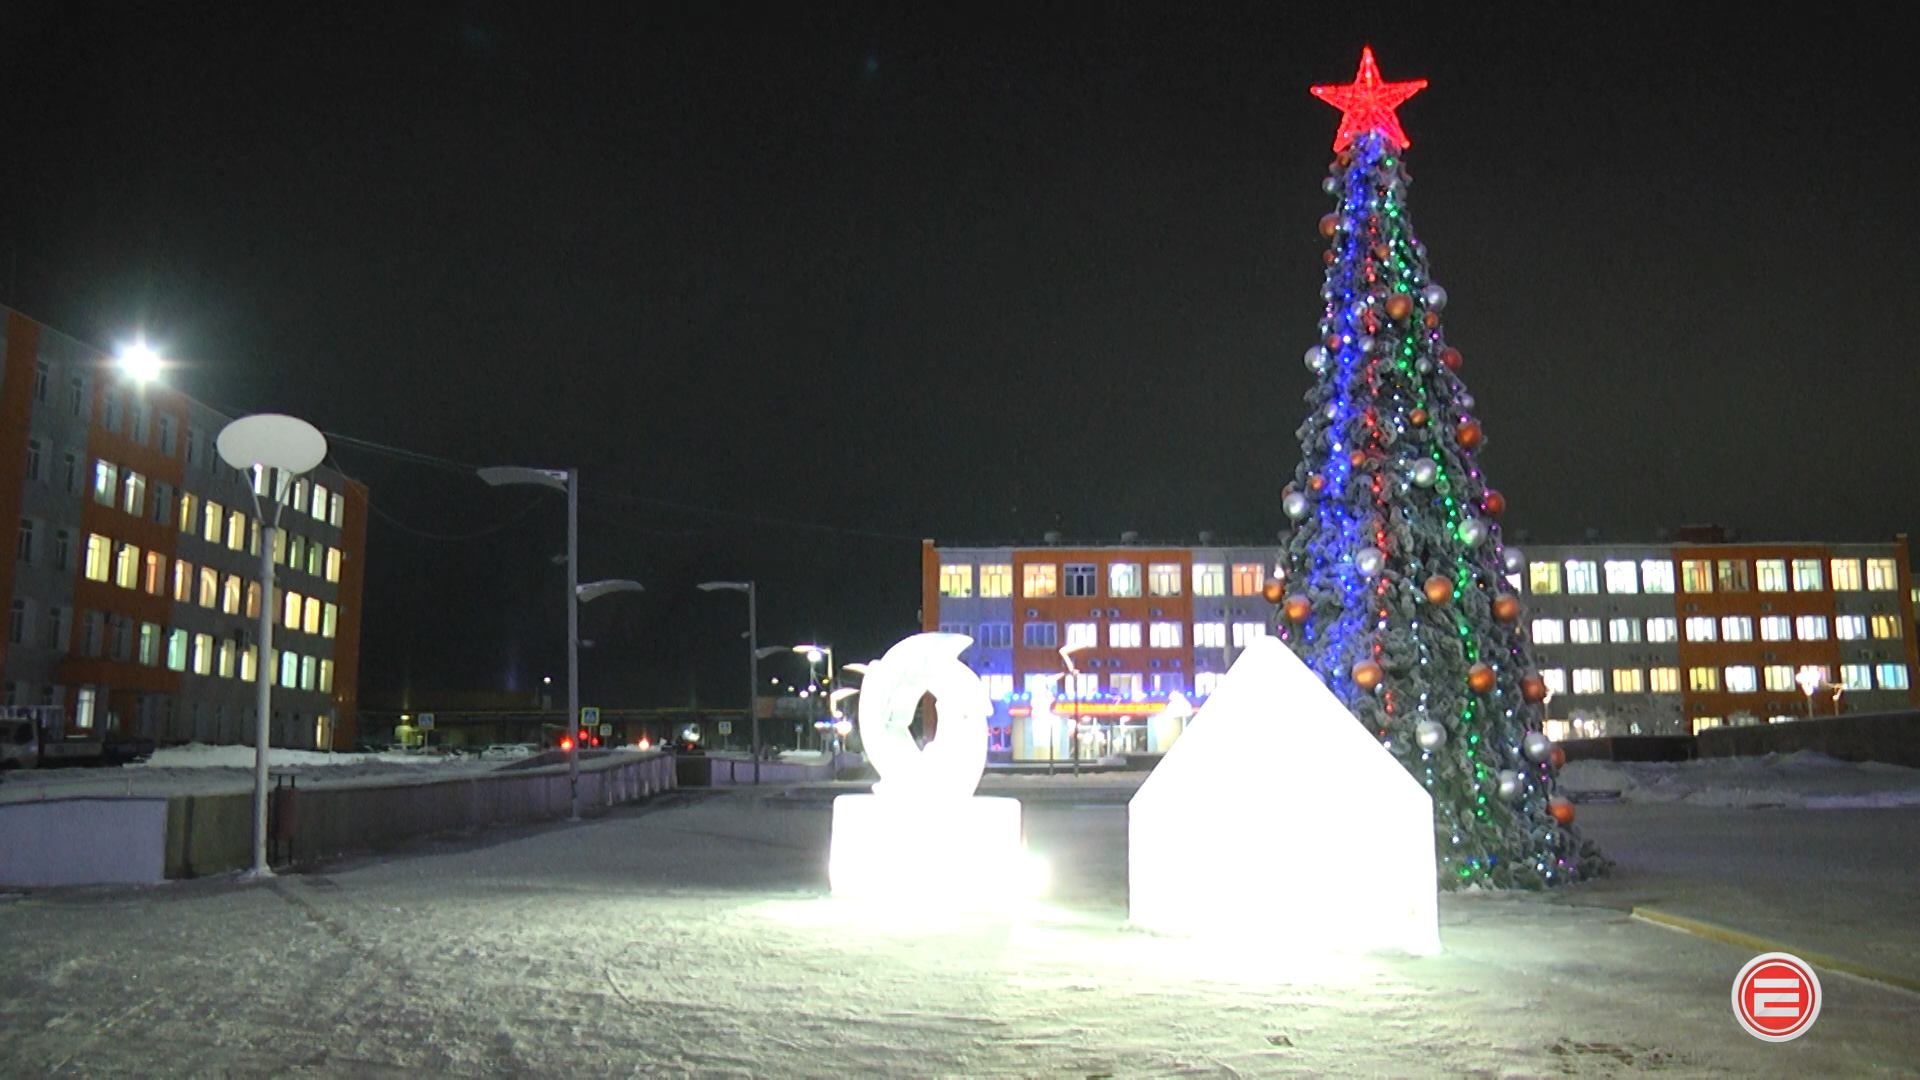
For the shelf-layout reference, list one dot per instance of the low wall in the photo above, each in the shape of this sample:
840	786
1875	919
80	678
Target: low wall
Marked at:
83	842
1893	738
1631	748
730	772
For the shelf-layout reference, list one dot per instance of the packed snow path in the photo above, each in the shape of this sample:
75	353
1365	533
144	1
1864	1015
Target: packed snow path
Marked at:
692	938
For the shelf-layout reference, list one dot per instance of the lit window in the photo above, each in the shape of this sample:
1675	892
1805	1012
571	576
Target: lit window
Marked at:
1733	575
1623	629
1163	635
1777	677
177	649
1629	681
333	510
1040	635
1703	678
83	700
298	495
106	483
1621	577
1772	574
996	579
1549	632
1244	633
209	587
1168	682
1249	579
1082	686
326	679
1702	723
253	599
1543	578
231	590
1810	628
99	565
1209	579
1083	635
1776	628
956	579
1123	579
1740	679
182	581
1588	680
249	664
155	577
290	670
236	530
1882	575
203	654
1583	577
1127	685
1163	579
150	644
1555	678
1040	580
290	610
1205	681
1807	576
1850	627
1664	680
1083	579
214	522
999	685
1886	627
1856	676
1583	631
1892	676
126	566
997	635
318	508
229	656
1812	671
1846	575
1209	635
1736	628
307	672
1123	635
1700	628
133	494
189	512
1663	628
1656	576
1696	575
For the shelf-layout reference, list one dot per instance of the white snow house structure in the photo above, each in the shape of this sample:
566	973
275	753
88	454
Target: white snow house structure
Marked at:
1326	843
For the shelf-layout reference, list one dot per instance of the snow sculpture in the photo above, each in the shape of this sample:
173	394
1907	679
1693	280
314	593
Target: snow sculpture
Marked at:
922	835
1276	820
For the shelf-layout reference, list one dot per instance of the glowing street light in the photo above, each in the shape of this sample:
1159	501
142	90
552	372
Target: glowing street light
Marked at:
139	361
754	655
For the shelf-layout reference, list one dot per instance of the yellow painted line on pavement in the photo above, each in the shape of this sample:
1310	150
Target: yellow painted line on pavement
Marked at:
1730	936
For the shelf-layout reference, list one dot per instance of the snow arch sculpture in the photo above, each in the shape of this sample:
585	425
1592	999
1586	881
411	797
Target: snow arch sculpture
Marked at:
922	835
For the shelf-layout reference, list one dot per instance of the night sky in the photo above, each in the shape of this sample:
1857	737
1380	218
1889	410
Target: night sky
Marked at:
794	293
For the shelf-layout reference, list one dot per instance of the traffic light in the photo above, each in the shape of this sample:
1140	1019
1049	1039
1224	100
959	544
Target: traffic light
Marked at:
566	743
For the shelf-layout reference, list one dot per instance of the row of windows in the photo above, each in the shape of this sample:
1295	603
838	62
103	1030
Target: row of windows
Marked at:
1124	579
117	637
212	522
1709	628
125	565
1127	635
1624	576
1082	685
1734	679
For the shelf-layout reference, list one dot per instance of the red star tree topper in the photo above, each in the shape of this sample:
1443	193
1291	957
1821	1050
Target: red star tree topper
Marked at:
1368	103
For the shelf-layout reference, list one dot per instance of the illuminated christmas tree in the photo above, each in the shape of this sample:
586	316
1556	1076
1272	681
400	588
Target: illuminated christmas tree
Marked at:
1396	588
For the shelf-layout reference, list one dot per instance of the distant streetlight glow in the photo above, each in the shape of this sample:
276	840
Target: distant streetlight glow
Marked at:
140	361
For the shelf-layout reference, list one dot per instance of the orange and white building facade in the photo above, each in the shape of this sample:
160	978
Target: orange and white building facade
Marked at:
134	592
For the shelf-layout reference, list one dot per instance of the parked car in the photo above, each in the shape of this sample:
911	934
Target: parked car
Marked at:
19	743
506	752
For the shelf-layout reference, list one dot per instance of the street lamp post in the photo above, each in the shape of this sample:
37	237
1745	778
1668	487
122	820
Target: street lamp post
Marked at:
1066	657
567	480
275	449
753	658
814	654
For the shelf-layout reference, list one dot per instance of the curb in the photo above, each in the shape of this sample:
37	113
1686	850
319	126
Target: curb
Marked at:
1729	936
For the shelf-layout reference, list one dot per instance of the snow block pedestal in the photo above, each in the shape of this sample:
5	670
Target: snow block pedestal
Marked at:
1279	821
928	850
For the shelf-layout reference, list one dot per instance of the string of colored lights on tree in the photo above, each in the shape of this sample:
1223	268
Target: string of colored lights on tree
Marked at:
1395	568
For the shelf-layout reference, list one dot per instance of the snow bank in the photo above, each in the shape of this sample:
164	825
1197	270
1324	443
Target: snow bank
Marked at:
1803	779
202	756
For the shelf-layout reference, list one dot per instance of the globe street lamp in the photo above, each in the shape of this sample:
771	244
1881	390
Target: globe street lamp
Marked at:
139	362
753	658
567	480
275	449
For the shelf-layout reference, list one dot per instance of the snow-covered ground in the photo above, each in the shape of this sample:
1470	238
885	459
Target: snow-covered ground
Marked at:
1804	779
197	769
693	938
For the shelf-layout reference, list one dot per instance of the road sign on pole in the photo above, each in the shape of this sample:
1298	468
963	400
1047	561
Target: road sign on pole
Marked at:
424	722
589	715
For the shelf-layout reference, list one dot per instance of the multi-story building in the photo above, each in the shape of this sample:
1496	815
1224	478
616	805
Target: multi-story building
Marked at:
134	588
1631	639
1140	624
1670	639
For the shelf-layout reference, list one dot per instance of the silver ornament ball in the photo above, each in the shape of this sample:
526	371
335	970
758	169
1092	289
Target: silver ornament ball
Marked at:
1425	472
1537	747
1296	505
1317	359
1430	735
1365	344
1465	401
1370	561
1472	531
1514	560
1512	785
1435	297
1423	366
1330	185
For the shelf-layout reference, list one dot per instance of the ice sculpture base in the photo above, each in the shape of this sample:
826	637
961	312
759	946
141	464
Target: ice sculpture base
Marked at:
942	852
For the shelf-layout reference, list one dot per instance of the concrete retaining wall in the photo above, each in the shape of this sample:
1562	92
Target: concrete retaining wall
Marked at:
83	842
729	772
1893	738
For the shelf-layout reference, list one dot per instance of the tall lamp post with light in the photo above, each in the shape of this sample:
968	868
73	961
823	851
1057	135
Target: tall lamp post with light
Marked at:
568	481
753	658
275	449
1066	657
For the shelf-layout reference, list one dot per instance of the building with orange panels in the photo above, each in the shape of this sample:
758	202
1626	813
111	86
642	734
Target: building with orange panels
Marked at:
134	588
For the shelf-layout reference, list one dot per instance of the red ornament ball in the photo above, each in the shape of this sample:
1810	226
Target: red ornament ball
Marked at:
1316	482
1330	226
1418	418
1333	343
1506	607
1357	459
1298	608
1533	688
1432	319
1367	674
1330	256
1561	808
1439	590
1559	756
1399	306
1494	503
1273	592
1468	434
1450	358
1480	678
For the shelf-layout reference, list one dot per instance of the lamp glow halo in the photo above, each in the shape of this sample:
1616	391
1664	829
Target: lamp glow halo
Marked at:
951	764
